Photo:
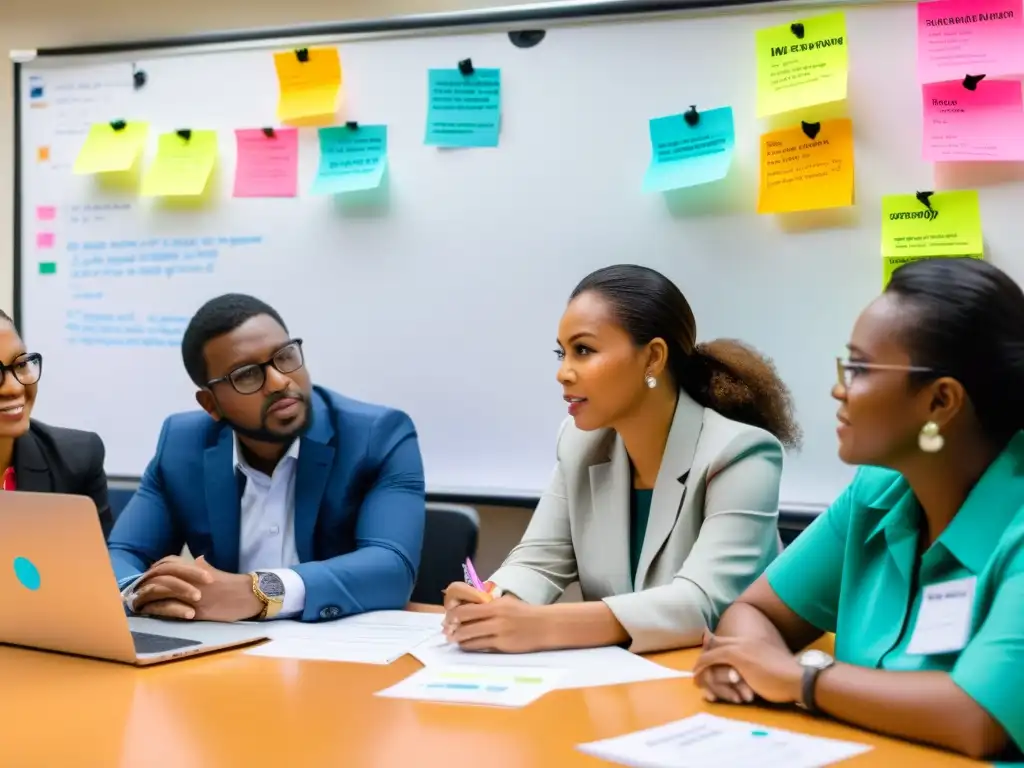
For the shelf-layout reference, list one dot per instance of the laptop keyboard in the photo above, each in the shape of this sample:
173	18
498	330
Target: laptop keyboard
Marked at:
147	643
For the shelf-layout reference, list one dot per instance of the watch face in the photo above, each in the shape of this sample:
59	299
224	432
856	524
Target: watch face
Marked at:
815	659
271	584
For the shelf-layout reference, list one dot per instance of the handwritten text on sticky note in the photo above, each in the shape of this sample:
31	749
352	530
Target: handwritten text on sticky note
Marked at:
801	64
978	37
685	155
463	110
984	124
800	173
351	159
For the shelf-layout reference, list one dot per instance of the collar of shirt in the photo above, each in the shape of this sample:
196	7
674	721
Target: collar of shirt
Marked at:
7	481
988	511
238	460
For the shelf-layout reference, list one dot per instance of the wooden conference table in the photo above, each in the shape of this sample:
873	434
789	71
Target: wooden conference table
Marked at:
229	709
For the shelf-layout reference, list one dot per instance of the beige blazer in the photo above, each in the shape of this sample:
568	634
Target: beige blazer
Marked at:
713	527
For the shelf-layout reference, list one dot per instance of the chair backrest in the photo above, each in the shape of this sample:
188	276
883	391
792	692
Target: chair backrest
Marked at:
450	536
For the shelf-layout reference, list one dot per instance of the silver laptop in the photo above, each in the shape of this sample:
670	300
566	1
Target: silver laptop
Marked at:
60	593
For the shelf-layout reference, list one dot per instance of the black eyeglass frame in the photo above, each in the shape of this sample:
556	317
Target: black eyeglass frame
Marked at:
229	377
28	357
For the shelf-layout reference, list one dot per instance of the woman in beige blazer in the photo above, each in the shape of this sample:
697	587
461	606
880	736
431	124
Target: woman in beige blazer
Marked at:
664	498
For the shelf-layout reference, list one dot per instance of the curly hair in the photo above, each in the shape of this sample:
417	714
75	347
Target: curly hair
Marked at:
726	375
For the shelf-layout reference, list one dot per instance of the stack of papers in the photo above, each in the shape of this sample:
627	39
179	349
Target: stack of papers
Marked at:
585	668
378	637
706	741
466	684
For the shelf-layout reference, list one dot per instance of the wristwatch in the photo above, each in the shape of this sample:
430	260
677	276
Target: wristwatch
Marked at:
269	590
814	662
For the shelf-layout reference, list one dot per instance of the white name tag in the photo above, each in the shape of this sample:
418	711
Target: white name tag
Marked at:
944	618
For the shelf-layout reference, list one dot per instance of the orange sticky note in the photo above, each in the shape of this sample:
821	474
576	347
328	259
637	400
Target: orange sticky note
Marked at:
310	88
42	154
800	173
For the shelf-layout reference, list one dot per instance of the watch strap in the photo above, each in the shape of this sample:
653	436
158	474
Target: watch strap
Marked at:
807	686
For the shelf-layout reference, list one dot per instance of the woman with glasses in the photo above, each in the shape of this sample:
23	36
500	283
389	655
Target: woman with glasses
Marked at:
34	456
918	567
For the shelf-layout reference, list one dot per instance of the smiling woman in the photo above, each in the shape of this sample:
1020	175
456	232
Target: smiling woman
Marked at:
663	504
34	456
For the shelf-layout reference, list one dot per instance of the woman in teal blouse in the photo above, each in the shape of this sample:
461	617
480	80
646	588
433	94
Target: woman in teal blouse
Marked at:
918	567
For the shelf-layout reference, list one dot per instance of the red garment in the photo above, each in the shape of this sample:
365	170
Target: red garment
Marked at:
8	480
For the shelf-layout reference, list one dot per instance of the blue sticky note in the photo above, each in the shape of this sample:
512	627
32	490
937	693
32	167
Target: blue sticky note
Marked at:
685	156
351	159
463	110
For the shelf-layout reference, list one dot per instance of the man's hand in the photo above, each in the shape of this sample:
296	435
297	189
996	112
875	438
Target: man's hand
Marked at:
177	589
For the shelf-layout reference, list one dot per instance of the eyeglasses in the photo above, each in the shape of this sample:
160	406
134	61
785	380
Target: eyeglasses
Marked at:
249	379
847	370
26	369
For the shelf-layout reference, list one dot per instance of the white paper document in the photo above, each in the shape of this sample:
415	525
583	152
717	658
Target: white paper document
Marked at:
378	637
585	668
707	741
465	684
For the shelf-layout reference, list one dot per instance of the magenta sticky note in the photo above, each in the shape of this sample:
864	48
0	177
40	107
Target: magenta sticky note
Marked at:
268	162
44	240
984	124
976	37
46	212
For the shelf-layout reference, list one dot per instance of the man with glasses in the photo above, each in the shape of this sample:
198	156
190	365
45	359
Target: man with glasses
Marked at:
298	502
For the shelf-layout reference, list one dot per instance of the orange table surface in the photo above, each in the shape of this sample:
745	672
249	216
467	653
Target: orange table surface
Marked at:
230	709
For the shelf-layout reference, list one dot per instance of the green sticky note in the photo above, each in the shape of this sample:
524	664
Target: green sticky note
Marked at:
912	231
801	64
351	159
47	268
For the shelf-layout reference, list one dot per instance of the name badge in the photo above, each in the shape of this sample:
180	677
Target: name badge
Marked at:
944	618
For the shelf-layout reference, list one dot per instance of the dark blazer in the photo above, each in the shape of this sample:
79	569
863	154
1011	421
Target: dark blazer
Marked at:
57	460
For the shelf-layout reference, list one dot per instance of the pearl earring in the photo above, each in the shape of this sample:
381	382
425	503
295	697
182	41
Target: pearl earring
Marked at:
930	440
651	381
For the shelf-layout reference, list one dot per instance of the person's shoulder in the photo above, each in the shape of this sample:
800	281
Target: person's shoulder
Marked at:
877	487
724	441
359	411
65	440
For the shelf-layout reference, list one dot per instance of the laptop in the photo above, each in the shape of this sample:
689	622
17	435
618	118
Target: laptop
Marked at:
60	592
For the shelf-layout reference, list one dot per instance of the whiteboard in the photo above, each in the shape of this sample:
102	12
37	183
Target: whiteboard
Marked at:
444	299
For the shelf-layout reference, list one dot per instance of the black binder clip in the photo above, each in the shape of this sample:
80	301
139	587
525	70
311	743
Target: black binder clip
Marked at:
269	133
302	54
924	198
811	130
185	134
466	67
691	116
352	125
118	125
797	29
971	82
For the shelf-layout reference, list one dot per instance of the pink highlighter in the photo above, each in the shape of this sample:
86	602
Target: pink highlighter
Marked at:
474	580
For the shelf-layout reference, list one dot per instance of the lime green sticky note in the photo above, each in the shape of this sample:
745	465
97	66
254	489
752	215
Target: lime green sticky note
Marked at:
47	268
111	147
182	166
801	64
949	226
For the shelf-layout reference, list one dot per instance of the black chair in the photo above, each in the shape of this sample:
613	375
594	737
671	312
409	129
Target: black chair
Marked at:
451	535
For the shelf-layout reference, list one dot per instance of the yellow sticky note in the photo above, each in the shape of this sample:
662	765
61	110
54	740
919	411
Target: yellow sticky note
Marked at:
799	173
912	231
801	64
182	167
309	89
111	150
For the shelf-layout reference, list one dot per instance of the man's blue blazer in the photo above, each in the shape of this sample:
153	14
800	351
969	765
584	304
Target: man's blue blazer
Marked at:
360	505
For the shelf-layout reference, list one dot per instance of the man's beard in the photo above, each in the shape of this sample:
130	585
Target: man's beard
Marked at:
264	435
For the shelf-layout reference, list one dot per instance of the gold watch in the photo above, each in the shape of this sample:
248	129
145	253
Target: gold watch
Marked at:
269	590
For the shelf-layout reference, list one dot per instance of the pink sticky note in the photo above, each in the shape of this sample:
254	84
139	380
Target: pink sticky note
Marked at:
44	240
267	166
976	37
46	212
984	124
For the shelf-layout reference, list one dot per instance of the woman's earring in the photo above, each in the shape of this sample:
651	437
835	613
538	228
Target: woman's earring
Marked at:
930	440
651	381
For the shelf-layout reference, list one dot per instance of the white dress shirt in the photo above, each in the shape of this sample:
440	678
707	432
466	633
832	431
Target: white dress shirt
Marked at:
267	525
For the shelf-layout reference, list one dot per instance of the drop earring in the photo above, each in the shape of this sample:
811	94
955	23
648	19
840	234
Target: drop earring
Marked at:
651	381
930	440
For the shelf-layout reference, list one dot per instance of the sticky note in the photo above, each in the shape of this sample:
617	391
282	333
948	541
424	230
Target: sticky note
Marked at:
107	150
794	72
267	166
42	154
463	110
182	167
799	173
44	239
984	124
977	37
910	230
351	159
308	89
47	268
46	212
685	156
